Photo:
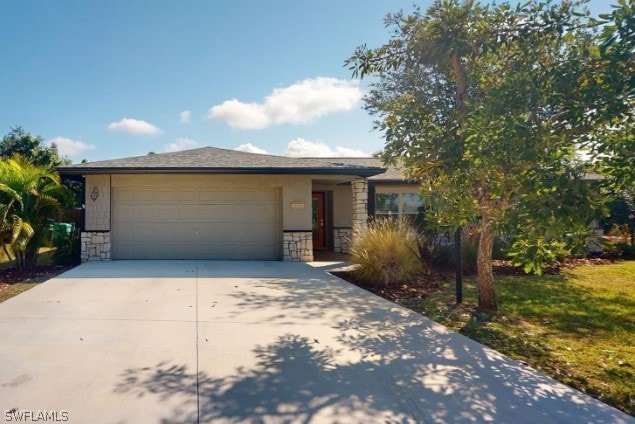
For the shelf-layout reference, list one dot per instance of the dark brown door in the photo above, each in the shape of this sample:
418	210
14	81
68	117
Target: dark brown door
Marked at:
318	220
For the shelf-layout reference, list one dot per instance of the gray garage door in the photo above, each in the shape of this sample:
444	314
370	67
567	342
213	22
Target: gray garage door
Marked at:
195	224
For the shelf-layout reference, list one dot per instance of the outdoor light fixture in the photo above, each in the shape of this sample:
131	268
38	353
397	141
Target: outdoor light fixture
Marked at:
95	193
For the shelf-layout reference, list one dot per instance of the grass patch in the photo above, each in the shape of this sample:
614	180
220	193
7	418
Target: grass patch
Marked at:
8	291
578	327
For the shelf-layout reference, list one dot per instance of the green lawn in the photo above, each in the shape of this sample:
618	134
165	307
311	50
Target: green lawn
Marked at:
578	327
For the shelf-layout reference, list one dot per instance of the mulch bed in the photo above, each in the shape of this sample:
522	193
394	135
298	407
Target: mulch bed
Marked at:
417	289
37	274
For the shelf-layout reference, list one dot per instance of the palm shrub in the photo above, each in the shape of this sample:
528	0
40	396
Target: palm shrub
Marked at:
29	196
386	253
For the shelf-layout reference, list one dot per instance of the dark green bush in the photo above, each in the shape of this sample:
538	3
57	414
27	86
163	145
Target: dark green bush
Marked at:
500	249
627	250
67	248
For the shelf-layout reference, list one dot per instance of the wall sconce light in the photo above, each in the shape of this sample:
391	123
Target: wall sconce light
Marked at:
94	194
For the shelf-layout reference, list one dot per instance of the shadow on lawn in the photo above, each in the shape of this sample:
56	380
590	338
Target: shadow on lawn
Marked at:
568	308
381	367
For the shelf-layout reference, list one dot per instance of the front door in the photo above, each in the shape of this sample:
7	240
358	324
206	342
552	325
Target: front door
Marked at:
318	221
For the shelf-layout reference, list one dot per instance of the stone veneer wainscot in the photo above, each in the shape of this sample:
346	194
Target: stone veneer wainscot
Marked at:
95	246
342	237
297	246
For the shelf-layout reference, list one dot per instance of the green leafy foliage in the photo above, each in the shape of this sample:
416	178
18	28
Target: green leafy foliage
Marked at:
386	253
614	142
621	214
29	196
535	254
487	106
20	142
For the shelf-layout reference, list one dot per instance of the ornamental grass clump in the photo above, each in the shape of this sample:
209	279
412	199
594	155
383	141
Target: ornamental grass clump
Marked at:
386	253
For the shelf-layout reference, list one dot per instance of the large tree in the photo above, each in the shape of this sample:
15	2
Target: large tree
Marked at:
486	106
20	142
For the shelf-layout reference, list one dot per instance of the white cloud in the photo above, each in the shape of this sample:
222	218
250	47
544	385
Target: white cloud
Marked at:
185	117
181	143
304	148
250	148
299	103
69	147
134	126
247	116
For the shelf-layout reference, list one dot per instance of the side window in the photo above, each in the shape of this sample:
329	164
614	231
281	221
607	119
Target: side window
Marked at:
398	205
386	203
410	203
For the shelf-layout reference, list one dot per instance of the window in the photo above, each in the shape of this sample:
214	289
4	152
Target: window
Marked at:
398	204
386	203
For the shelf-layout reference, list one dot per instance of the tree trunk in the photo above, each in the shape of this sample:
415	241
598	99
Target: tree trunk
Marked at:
461	85
486	291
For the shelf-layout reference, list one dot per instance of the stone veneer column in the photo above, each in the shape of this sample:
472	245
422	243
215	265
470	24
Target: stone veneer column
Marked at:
297	246
342	239
360	205
95	246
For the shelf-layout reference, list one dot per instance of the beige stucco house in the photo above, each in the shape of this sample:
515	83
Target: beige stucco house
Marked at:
212	203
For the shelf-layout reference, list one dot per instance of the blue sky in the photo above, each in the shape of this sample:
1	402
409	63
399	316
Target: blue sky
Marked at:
117	78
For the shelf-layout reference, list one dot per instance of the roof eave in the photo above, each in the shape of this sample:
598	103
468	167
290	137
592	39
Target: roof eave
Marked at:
361	172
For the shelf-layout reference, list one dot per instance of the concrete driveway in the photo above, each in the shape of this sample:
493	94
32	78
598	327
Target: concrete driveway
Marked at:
208	341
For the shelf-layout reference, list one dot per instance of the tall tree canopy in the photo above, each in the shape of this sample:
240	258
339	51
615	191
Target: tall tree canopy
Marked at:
615	140
20	142
487	106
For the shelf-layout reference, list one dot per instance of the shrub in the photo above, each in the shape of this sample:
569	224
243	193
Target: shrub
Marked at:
67	248
386	253
500	248
534	255
469	253
626	250
444	257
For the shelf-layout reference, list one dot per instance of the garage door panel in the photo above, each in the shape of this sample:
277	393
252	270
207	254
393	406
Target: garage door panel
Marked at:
235	233
237	213
234	197
145	196
153	223
167	215
218	251
144	231
180	196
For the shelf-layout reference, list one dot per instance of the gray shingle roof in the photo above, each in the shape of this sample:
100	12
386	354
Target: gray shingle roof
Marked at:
393	173
215	160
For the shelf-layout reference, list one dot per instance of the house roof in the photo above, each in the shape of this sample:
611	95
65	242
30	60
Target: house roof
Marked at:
216	160
393	174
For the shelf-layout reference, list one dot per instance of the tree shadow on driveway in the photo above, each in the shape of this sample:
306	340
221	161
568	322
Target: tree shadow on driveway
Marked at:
409	372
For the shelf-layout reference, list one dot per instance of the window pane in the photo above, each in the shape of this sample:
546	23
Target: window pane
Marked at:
386	203
410	203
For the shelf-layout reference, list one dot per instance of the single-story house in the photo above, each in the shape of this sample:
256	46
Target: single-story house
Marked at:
212	203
